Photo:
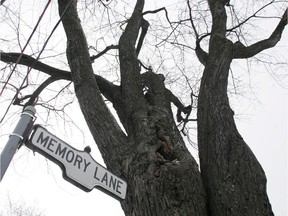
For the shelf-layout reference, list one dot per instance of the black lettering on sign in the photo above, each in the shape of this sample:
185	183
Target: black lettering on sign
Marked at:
78	160
60	152
70	156
112	182
119	183
95	173
105	179
42	139
86	164
73	159
51	143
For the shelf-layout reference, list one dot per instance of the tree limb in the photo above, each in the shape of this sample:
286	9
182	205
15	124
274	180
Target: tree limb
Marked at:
158	95
102	124
36	93
241	51
156	11
248	18
144	27
219	18
131	86
35	64
191	21
103	52
108	89
201	54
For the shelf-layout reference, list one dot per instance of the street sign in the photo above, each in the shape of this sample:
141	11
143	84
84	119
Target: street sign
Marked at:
20	133
79	168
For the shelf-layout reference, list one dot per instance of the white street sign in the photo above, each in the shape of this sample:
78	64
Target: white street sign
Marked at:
78	167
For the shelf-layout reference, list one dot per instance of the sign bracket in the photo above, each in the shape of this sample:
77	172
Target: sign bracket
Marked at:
16	139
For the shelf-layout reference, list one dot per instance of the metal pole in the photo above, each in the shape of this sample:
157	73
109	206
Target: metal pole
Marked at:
16	138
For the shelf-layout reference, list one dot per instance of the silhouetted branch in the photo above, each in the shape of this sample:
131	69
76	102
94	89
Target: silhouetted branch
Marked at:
108	89
103	52
156	11
241	51
40	88
248	18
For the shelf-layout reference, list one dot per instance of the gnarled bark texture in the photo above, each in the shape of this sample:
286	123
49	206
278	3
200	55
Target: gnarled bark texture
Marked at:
233	178
162	176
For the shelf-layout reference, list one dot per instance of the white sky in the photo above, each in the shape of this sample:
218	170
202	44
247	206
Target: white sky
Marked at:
38	182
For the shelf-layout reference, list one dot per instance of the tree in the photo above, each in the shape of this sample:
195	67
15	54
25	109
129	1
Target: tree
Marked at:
239	187
19	209
149	152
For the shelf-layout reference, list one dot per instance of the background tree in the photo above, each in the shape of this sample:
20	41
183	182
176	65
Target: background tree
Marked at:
14	208
149	152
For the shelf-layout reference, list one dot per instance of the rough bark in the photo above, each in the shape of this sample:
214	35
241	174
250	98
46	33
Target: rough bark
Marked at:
234	180
104	128
162	176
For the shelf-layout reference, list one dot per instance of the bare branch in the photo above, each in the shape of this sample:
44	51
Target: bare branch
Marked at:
2	2
103	52
35	64
129	67
241	51
156	11
201	54
191	21
40	88
108	89
248	18
35	94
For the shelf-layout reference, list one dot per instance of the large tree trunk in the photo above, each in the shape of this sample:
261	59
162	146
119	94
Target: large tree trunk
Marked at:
234	180
162	176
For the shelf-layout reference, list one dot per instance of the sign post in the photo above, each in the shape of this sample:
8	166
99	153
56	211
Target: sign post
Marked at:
16	138
79	168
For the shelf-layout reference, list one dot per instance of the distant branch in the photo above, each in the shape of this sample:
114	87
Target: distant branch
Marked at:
248	18
191	20
36	93
201	54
